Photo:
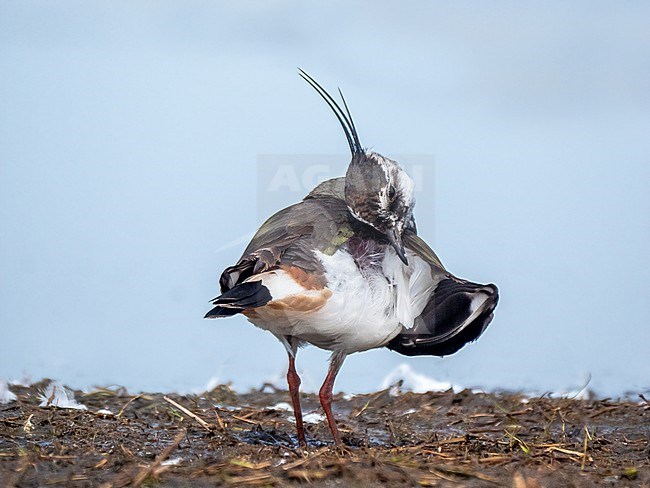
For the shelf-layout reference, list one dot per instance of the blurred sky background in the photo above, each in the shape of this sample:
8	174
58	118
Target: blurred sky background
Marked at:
131	139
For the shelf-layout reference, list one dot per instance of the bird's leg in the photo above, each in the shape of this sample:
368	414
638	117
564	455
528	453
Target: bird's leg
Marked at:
294	386
325	393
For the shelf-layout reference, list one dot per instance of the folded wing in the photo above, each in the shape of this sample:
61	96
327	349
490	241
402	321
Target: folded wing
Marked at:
457	311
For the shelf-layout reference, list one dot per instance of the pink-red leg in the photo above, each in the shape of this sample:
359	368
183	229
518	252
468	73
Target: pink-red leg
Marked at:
325	394
294	388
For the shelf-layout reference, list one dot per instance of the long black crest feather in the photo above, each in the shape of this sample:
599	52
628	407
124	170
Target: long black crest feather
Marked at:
355	135
344	118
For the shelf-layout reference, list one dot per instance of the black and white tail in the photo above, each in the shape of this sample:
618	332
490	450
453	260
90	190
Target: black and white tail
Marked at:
250	294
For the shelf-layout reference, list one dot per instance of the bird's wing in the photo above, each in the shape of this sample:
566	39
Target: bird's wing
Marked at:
421	249
458	312
329	188
289	238
454	311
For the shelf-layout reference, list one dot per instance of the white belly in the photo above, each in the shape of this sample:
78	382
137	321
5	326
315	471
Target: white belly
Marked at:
364	310
360	313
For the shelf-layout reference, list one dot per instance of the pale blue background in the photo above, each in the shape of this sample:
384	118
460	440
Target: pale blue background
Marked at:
129	138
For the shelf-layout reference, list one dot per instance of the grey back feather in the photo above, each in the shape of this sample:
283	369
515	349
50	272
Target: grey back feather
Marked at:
321	222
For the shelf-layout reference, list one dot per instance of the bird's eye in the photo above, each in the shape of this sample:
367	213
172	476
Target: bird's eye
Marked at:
392	192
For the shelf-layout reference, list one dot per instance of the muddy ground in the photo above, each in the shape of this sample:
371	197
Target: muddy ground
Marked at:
392	438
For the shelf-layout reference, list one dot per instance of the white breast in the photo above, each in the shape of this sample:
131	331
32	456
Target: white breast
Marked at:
360	313
366	308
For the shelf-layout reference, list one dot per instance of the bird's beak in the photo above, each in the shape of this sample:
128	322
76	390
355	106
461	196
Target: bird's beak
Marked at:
396	241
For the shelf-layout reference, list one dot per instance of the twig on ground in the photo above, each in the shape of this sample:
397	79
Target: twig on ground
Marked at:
119	415
604	410
146	472
202	422
221	424
584	452
308	458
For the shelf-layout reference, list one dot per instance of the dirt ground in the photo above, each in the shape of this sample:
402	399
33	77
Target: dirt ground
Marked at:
392	438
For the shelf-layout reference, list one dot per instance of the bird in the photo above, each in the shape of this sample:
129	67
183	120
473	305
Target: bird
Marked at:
345	270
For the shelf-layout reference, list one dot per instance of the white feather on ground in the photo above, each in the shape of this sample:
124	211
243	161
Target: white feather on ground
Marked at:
414	381
310	418
6	395
57	395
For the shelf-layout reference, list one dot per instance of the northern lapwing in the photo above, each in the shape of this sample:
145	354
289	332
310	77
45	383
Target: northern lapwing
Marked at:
344	270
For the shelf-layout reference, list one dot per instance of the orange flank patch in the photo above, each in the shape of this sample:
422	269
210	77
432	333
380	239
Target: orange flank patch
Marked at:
307	302
304	279
250	313
311	301
311	295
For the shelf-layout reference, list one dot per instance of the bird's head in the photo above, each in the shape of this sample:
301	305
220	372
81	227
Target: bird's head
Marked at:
380	194
377	191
